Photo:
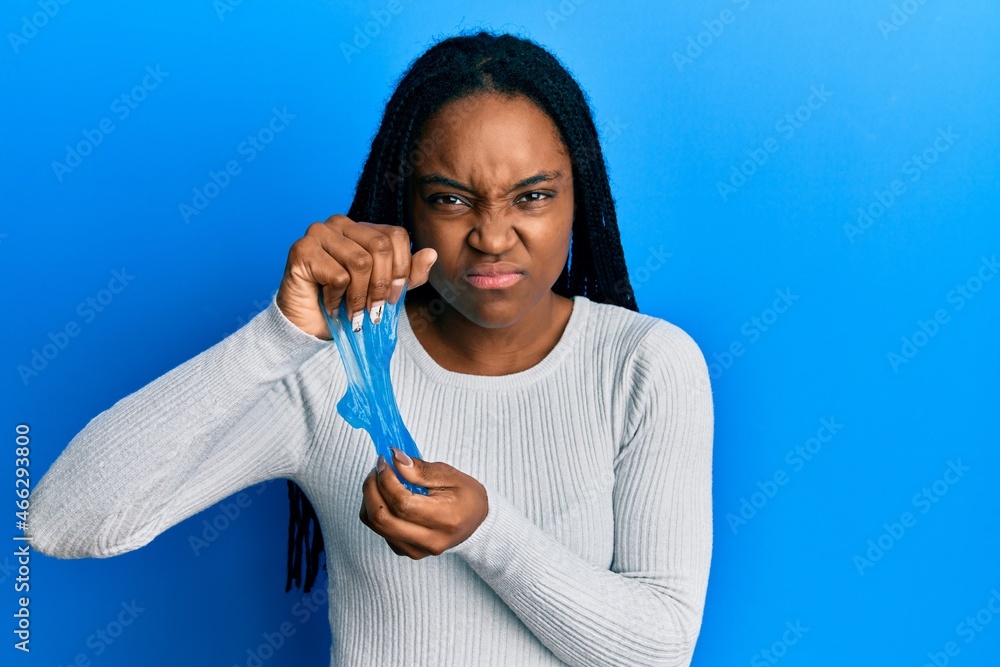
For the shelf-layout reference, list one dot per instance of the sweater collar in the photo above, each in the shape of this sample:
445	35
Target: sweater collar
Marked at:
411	347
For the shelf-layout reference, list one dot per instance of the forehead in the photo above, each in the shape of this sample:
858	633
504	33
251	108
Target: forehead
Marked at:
491	140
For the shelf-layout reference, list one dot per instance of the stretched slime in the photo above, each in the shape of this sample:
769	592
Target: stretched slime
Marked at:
369	402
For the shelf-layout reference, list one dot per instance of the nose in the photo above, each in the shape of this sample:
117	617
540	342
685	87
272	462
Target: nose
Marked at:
491	234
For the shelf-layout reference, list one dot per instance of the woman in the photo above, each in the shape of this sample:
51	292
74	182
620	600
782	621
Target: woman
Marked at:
569	437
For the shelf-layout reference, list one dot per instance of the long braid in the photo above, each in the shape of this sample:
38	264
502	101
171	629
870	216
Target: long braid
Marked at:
304	538
450	70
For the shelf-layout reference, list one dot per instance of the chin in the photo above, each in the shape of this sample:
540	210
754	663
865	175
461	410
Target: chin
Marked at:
490	309
494	309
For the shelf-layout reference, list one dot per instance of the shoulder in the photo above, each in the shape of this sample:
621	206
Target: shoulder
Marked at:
660	375
655	370
643	341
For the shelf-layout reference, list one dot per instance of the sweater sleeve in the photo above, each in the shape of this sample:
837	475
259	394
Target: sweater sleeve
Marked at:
647	608
224	420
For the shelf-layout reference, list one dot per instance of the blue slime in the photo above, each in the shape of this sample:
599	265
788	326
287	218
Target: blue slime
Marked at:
369	402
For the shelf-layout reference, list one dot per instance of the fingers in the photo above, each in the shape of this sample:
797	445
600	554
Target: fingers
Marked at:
396	550
309	272
389	276
415	540
329	259
360	265
353	247
432	512
398	547
377	273
421	266
406	549
411	550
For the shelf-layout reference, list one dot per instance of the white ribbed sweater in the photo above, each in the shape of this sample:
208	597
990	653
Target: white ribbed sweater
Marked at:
597	463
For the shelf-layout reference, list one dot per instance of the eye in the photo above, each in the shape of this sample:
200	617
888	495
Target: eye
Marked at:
436	198
542	196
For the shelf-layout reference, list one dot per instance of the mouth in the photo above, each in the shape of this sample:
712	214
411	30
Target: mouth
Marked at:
494	276
495	281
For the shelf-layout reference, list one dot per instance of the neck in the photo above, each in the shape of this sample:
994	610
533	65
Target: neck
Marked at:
460	345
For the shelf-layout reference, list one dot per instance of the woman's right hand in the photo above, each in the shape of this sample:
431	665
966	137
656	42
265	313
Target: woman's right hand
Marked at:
363	262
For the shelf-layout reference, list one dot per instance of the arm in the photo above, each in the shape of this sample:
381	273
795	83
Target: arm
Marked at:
221	421
647	609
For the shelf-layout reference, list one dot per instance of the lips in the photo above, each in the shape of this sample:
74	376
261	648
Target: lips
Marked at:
495	269
494	282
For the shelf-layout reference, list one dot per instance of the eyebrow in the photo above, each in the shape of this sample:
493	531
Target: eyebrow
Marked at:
439	179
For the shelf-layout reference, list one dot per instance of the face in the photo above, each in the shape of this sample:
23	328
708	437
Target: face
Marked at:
494	192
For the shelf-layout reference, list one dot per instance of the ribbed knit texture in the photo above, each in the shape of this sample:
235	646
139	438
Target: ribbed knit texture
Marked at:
597	462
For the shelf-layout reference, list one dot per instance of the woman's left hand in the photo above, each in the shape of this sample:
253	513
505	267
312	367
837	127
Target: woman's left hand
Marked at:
415	525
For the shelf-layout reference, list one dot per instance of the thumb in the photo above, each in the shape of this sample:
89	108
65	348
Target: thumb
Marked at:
420	266
412	469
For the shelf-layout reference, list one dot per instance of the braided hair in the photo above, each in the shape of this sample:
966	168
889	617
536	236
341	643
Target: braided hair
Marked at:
450	70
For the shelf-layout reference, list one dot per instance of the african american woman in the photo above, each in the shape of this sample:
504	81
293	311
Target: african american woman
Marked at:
568	437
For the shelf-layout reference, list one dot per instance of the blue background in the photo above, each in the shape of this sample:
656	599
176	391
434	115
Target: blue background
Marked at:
684	96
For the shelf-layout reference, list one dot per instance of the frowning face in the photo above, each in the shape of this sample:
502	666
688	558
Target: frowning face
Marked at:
494	197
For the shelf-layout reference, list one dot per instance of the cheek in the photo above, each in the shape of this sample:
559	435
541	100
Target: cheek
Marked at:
426	234
438	237
447	244
551	246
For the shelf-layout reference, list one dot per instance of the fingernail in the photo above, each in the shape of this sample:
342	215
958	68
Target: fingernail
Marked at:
358	320
396	289
401	458
381	463
376	311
